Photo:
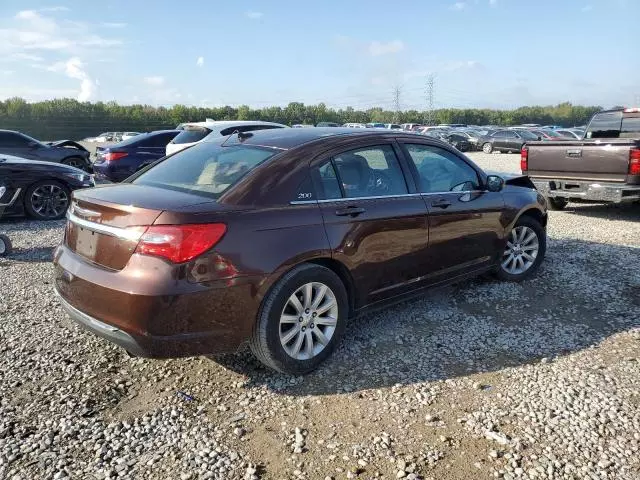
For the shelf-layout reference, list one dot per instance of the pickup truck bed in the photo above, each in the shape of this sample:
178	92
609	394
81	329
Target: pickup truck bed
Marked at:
602	167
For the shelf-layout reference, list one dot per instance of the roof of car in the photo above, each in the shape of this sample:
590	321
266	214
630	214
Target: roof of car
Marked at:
287	138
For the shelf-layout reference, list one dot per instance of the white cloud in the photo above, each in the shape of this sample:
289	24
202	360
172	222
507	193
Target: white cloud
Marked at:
587	8
154	81
31	31
458	6
55	8
200	61
493	3
382	48
113	24
254	15
74	68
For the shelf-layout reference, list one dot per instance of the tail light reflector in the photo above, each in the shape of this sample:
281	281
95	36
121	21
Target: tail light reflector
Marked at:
524	159
180	243
111	156
634	161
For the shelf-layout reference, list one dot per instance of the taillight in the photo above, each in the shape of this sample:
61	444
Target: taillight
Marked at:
180	243
524	159
634	161
111	156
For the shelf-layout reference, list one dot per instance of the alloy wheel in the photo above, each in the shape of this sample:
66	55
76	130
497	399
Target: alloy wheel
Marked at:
49	201
521	251
308	321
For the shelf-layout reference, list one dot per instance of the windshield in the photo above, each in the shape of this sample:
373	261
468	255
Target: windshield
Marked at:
205	169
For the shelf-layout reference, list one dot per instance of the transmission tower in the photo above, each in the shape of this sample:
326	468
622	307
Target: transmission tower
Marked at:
397	91
429	120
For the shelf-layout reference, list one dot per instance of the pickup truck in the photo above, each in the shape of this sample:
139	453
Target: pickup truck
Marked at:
604	166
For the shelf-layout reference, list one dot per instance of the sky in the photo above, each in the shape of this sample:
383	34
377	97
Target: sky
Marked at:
481	53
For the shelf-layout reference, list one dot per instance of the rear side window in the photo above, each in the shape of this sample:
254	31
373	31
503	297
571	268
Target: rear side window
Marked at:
191	134
10	139
605	125
630	127
206	169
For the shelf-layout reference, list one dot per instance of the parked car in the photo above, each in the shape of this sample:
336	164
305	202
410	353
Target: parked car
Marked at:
411	127
354	125
273	237
571	133
604	166
193	133
63	151
551	127
507	140
376	125
548	135
301	125
328	124
128	135
121	160
393	126
102	138
459	141
472	137
42	190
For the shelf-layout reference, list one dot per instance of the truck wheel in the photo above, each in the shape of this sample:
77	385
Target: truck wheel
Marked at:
487	148
301	320
557	203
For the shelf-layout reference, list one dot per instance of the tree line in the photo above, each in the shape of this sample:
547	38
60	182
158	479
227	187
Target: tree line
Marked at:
68	118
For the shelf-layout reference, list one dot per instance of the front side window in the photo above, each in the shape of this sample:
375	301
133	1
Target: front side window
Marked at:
370	172
442	171
206	169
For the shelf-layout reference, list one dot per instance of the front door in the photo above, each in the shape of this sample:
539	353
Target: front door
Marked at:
375	221
465	232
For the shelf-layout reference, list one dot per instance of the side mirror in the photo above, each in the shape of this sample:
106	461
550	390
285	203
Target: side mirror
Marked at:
494	183
539	138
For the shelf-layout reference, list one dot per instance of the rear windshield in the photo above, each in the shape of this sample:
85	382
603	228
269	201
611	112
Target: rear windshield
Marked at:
630	126
605	125
191	134
206	169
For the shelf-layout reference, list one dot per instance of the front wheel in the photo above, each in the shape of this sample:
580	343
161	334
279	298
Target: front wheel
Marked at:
487	148
5	245
47	200
301	320
557	203
76	162
524	251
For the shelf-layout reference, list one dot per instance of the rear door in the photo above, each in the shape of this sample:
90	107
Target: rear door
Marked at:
512	140
499	139
465	232
375	220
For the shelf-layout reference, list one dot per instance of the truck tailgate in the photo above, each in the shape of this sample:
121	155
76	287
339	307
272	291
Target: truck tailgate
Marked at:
581	159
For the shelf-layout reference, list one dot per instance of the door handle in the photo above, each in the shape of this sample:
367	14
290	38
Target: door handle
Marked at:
352	211
441	203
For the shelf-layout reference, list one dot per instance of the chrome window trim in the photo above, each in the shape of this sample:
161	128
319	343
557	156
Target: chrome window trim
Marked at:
13	199
122	233
380	197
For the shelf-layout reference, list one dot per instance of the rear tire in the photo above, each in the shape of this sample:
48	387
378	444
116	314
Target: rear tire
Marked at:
527	242
5	245
557	203
487	148
279	330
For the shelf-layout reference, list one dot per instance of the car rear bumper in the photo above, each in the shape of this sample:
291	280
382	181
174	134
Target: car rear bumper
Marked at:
163	317
587	190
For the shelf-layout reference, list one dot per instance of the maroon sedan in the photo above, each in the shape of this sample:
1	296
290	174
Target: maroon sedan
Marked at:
278	237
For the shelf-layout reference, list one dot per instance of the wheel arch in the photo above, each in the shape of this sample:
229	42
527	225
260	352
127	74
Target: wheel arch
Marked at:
534	213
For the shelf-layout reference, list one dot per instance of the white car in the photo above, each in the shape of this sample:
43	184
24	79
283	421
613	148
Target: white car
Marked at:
193	133
354	125
128	135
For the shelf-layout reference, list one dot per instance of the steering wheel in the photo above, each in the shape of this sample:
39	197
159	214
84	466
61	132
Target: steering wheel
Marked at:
379	183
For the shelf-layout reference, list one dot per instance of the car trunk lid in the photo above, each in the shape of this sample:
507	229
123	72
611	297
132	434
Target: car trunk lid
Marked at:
105	223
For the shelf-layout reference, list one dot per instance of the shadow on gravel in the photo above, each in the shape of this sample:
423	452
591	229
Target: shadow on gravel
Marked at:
31	255
584	293
625	212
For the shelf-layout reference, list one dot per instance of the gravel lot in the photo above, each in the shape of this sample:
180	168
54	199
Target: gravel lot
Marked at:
478	380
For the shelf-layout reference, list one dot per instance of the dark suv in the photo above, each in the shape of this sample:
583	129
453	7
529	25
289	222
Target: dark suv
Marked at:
278	237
